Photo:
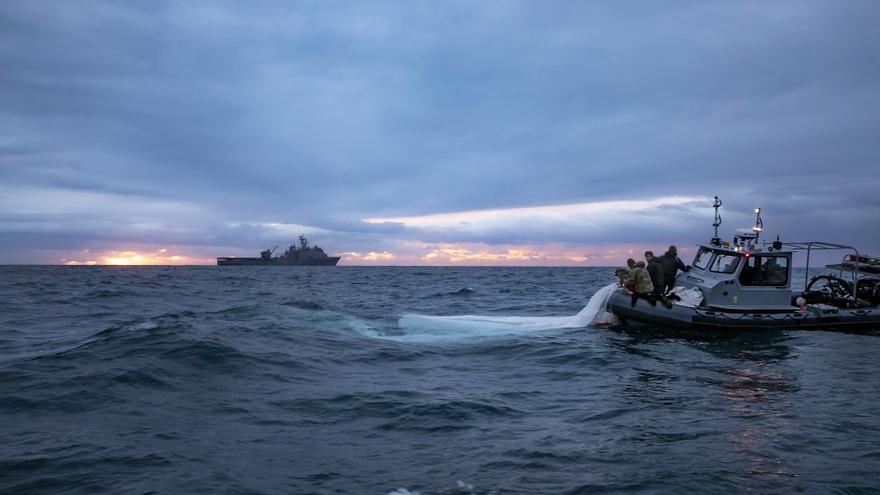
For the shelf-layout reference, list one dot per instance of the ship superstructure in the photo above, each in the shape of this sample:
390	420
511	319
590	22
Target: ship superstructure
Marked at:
302	255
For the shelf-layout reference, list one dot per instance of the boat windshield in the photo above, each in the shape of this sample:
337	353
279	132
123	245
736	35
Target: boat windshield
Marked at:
725	263
701	260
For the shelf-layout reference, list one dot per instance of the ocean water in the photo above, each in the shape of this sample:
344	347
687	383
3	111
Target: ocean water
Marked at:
344	380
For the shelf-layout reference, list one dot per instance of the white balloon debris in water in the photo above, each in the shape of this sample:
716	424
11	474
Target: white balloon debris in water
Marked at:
426	329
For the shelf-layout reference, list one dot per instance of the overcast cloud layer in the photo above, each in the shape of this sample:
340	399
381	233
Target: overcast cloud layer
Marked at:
213	128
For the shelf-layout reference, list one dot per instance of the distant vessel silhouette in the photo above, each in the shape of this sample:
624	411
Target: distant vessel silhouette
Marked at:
304	255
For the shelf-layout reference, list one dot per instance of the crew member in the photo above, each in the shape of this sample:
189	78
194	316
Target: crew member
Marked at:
630	265
655	270
624	275
642	285
671	265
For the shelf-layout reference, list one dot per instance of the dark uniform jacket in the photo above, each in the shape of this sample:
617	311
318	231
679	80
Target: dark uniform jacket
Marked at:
655	269
671	264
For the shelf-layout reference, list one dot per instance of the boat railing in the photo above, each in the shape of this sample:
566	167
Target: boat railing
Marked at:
811	246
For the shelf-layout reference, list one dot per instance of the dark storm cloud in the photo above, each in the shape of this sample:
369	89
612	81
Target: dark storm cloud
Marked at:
199	123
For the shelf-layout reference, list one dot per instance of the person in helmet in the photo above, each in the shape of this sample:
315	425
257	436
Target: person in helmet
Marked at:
625	275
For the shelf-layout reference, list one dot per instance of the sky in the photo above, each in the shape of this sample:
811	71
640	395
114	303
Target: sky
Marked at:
432	133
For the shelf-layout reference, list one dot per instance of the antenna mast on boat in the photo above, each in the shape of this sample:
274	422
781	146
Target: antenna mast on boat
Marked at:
716	240
759	225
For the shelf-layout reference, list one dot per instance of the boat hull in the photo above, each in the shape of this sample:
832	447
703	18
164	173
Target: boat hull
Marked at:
234	261
713	320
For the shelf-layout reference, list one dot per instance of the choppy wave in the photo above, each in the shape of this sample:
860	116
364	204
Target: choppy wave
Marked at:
205	380
464	291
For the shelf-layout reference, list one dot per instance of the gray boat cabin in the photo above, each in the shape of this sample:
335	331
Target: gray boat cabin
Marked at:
741	276
736	279
745	276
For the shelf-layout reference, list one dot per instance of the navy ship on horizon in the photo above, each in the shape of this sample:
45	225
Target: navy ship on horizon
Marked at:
304	255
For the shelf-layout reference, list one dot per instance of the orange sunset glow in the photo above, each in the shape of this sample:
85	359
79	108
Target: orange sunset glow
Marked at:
473	254
130	258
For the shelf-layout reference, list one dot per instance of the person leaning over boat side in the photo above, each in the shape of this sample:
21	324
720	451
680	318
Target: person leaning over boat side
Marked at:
624	275
642	285
671	263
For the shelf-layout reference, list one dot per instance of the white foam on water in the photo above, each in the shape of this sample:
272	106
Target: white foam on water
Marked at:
402	491
331	320
143	325
427	329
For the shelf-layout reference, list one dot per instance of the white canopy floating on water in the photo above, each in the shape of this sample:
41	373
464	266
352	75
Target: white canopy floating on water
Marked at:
427	329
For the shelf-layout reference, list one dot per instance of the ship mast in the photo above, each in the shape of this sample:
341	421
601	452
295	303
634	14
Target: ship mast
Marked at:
716	241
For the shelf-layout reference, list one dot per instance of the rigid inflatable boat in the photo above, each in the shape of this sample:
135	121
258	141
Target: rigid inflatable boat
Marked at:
745	285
